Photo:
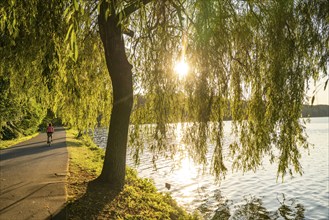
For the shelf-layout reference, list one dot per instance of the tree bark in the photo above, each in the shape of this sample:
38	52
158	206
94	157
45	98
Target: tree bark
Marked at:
114	167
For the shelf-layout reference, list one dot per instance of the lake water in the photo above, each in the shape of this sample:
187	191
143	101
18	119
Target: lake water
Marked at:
250	195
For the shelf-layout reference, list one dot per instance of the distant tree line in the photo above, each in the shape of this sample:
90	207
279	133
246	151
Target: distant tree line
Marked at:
315	111
181	113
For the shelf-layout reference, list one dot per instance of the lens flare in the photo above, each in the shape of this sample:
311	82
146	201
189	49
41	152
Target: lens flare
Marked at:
181	68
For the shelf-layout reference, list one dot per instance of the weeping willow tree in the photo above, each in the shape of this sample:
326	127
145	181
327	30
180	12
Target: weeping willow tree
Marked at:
247	59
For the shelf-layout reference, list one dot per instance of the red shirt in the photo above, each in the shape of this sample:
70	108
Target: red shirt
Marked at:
50	129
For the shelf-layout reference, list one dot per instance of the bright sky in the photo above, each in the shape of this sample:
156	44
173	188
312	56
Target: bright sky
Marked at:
321	95
321	98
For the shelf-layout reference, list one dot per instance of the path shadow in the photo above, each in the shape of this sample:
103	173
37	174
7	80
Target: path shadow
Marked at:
20	145
90	205
24	197
24	144
29	149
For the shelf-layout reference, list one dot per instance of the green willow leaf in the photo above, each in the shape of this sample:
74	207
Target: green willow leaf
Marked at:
73	39
76	52
68	32
76	5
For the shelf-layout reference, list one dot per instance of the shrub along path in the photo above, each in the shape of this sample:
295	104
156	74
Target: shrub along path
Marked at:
33	177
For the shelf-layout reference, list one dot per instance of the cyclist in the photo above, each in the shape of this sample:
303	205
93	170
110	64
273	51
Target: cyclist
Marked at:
50	131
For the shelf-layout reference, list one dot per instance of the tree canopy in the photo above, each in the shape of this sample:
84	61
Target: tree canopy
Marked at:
249	59
38	67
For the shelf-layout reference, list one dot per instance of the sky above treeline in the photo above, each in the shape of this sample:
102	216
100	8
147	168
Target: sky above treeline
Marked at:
321	98
321	95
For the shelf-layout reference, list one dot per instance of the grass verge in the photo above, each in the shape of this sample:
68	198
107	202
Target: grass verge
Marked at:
9	143
138	200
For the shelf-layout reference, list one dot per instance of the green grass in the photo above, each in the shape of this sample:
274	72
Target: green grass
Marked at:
9	143
84	153
138	200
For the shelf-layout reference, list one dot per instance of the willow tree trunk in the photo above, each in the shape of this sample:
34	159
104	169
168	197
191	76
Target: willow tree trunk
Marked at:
114	167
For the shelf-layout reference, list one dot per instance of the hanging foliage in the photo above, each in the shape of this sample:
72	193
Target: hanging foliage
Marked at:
247	60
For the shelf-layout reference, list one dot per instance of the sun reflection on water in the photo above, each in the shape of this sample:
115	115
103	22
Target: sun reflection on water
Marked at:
185	172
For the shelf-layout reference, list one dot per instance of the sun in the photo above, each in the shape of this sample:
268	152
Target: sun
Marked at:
181	68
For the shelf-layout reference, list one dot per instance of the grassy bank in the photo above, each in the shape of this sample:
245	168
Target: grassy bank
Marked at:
9	143
138	200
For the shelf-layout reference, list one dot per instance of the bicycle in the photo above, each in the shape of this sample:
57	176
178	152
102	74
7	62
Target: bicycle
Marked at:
49	139
50	131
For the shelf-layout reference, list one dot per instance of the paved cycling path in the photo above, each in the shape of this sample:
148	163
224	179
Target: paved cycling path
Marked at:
33	177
